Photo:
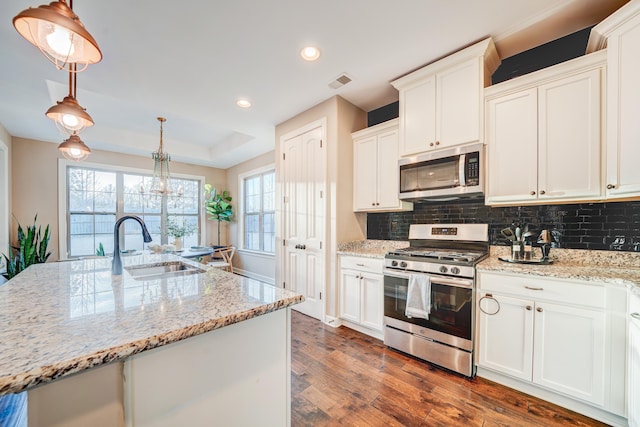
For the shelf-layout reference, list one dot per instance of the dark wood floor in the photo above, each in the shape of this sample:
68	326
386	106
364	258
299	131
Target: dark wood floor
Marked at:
344	378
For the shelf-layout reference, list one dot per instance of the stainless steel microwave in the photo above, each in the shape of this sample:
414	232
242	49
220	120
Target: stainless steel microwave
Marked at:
443	175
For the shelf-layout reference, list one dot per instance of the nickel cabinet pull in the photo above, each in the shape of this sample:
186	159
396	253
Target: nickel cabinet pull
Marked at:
635	315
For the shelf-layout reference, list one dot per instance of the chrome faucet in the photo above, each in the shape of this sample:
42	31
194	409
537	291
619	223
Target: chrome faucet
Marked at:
116	265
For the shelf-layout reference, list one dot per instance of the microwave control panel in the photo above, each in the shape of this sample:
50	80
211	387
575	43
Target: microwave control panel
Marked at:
472	168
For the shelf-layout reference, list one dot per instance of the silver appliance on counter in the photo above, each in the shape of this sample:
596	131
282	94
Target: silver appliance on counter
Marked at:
445	255
443	175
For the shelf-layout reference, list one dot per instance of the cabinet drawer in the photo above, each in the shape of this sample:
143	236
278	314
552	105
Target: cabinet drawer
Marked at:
550	289
372	265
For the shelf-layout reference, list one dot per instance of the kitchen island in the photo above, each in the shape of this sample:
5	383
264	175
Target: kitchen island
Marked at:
185	349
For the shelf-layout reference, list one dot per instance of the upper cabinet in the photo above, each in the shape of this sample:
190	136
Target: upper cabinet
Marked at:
441	104
543	134
620	34
375	169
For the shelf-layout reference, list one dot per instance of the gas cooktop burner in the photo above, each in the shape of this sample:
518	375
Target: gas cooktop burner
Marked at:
439	254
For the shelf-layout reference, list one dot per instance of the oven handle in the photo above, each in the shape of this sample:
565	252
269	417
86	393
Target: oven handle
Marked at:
460	283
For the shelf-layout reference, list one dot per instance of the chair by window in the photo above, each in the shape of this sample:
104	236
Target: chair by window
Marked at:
222	258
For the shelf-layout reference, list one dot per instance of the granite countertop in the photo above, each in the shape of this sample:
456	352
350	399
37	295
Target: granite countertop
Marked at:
61	318
622	268
370	248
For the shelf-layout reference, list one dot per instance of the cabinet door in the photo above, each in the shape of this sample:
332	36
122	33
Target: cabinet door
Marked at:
350	295
623	104
372	297
634	364
569	353
512	141
505	341
387	171
569	118
458	103
365	174
418	117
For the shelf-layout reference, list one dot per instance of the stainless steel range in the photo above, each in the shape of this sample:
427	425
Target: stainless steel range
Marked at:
429	292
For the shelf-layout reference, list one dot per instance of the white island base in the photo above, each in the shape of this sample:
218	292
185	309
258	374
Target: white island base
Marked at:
237	375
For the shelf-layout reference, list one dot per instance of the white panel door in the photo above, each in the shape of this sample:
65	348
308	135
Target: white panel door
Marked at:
569	118
372	301
350	295
623	105
512	144
304	176
458	104
418	117
569	353
387	171
506	335
365	175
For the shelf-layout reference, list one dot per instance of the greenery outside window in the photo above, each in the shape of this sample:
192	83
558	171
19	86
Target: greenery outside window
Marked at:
96	197
258	211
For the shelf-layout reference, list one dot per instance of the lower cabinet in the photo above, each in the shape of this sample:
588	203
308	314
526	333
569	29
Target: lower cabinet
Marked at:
634	361
361	293
561	336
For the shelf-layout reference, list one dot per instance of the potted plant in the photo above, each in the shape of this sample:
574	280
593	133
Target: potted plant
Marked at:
31	249
180	229
217	205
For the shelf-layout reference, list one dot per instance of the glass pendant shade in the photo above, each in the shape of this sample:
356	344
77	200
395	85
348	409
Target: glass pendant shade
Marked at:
74	149
59	34
161	183
69	116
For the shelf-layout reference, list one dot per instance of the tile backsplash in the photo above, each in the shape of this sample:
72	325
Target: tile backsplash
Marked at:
601	226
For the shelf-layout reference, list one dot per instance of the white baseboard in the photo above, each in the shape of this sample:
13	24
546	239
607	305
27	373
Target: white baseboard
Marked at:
260	277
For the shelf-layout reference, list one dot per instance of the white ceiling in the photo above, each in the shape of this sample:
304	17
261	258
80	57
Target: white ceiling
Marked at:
190	61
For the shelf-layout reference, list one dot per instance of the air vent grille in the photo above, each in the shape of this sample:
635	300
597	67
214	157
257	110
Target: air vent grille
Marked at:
340	81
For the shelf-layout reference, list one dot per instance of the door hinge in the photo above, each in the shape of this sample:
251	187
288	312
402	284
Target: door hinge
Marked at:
283	156
320	295
284	242
284	284
320	143
321	193
320	245
285	199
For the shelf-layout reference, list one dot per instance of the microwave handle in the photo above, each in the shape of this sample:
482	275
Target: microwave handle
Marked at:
462	170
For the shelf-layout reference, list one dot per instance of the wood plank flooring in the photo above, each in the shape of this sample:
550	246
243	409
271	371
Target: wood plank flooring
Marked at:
341	377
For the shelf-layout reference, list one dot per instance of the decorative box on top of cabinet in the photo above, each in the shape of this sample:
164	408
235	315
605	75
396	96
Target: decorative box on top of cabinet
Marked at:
620	34
561	340
441	104
375	169
543	134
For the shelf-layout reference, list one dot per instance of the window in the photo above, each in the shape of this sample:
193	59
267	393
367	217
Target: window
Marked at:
258	216
96	197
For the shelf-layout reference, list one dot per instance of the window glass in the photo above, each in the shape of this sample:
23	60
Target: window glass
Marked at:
259	212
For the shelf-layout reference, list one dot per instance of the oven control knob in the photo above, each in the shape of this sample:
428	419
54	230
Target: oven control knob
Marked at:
394	263
403	264
443	269
455	270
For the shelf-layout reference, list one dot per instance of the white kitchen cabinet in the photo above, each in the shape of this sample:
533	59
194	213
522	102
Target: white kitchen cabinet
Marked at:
620	34
543	134
559	336
361	294
441	103
375	169
633	400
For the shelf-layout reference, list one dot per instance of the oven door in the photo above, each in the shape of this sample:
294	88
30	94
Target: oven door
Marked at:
451	317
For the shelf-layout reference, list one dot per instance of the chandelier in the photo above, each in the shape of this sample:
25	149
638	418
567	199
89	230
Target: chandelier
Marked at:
59	34
161	183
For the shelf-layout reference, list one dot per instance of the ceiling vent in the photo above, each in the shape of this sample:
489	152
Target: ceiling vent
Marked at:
340	81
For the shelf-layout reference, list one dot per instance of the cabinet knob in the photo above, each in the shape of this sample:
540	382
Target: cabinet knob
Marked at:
539	309
373	204
377	204
533	193
431	144
528	307
437	142
610	186
542	192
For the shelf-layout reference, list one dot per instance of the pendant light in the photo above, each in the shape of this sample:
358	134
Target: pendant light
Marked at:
74	149
68	114
161	183
59	34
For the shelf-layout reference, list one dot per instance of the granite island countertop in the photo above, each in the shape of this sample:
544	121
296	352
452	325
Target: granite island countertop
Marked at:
607	267
60	318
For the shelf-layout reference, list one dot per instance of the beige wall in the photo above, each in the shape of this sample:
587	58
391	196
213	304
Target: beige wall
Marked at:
342	118
35	182
251	264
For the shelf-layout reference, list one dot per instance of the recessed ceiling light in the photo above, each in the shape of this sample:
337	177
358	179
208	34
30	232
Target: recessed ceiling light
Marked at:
243	103
310	53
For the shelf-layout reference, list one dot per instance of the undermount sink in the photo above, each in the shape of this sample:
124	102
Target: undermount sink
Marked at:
162	271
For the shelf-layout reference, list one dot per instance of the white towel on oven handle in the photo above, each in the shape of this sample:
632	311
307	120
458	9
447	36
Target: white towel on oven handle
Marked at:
418	296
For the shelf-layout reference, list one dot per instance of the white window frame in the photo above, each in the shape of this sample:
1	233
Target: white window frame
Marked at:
62	196
241	178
